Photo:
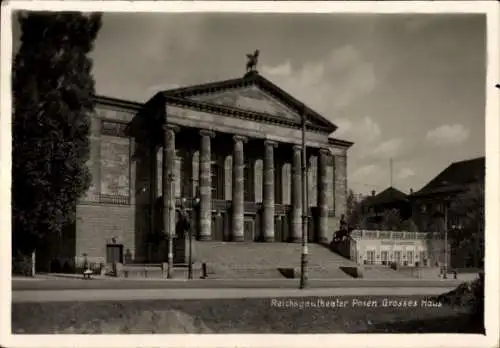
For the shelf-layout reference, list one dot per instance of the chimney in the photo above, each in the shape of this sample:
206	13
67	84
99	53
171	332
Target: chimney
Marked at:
411	191
373	192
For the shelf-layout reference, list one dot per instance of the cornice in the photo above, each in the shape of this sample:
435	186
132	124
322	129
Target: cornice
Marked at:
118	103
340	143
238	113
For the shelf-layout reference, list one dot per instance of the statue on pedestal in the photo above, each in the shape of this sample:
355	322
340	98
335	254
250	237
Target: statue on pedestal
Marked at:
252	60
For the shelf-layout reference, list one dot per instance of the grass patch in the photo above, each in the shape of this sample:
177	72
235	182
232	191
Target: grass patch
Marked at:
239	316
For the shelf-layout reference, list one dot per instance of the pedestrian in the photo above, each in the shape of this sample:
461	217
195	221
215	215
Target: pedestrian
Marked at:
183	222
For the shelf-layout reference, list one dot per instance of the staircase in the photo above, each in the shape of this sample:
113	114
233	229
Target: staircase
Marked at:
262	260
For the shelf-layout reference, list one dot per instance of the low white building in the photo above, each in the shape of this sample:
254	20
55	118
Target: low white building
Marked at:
403	248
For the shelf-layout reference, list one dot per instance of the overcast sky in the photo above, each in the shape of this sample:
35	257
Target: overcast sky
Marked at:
407	87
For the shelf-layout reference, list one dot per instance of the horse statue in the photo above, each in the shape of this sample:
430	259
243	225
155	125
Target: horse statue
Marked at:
252	61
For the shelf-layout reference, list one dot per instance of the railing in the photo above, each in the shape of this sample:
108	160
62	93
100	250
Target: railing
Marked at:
103	198
370	234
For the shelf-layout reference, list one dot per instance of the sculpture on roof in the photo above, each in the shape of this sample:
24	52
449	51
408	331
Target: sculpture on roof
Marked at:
252	60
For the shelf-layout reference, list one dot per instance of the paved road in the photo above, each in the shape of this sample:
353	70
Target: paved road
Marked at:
80	284
185	294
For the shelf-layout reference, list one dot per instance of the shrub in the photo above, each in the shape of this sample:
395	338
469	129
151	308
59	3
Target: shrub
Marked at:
21	265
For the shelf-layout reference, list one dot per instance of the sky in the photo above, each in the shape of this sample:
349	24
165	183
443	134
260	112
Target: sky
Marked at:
406	87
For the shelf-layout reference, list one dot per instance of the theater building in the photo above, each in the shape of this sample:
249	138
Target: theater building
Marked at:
231	150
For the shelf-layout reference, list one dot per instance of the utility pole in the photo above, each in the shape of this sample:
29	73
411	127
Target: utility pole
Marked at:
445	275
305	203
390	168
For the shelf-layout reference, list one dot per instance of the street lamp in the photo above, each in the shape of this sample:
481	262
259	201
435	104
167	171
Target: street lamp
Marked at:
170	233
305	201
196	202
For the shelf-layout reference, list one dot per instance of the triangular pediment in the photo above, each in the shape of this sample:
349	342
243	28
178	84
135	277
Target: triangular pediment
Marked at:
252	93
249	98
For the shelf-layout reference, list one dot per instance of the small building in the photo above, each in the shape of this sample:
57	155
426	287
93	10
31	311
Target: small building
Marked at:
385	247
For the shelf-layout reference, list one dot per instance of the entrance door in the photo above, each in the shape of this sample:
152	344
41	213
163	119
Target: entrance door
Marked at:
397	257
217	227
114	253
248	230
409	257
385	257
278	226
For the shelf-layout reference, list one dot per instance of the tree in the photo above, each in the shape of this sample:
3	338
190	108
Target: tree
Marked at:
467	209
354	211
53	93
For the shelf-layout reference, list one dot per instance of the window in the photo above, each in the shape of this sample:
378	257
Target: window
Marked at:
370	255
248	193
217	180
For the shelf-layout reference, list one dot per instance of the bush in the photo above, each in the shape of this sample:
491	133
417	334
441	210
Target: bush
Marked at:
469	295
21	265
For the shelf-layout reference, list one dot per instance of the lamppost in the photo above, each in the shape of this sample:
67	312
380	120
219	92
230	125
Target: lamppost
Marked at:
457	234
445	273
303	259
196	202
170	232
446	207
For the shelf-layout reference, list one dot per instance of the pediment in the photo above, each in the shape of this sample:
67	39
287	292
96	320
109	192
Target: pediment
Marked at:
249	98
252	93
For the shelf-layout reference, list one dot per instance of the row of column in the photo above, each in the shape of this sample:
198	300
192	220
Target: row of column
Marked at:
238	209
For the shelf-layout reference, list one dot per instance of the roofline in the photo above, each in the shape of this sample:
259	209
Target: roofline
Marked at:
423	191
248	79
468	160
127	104
452	189
339	142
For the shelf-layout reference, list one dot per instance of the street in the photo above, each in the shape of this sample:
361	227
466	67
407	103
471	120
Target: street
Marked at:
80	284
38	296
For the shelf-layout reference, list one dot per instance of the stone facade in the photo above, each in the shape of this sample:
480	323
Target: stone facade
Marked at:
240	168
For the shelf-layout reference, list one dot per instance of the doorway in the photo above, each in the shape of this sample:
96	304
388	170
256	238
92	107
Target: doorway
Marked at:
114	253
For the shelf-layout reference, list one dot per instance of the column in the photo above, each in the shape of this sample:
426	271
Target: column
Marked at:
167	182
322	196
237	190
268	191
296	195
205	185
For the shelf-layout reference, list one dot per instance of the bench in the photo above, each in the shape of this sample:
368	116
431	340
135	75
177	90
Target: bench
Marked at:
87	273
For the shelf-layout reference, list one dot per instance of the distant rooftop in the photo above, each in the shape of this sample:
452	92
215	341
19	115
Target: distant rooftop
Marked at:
389	195
456	176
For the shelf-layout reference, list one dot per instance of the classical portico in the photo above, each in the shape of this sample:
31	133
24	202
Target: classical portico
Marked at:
232	151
